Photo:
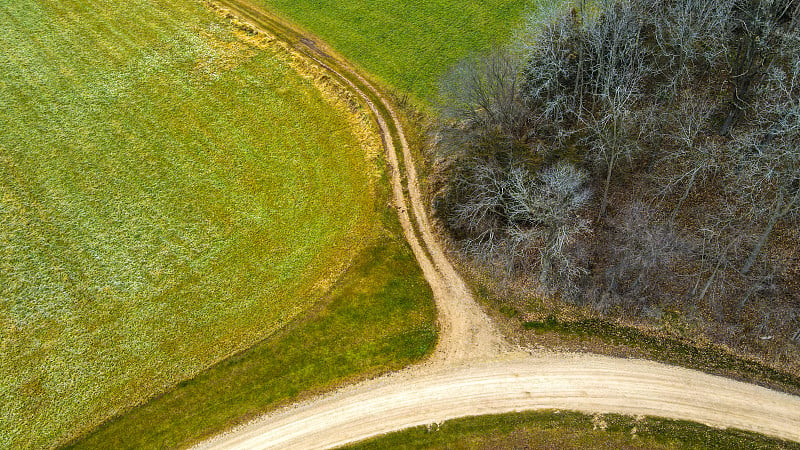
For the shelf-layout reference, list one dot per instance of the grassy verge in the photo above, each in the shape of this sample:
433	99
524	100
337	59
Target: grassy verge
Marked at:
379	317
671	350
569	430
537	323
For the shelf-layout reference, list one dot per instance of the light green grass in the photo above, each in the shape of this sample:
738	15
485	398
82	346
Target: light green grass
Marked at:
570	430
170	195
379	317
408	44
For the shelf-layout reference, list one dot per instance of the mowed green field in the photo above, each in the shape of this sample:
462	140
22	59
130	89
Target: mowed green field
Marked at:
408	44
171	193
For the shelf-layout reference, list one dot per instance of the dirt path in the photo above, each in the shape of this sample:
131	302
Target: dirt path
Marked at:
465	332
473	370
576	382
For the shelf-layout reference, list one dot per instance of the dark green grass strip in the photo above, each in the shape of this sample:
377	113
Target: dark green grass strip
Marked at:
378	318
408	44
570	430
671	350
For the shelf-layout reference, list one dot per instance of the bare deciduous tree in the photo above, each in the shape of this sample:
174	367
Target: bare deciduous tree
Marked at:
481	188
760	29
483	110
691	154
644	249
690	33
547	207
769	175
616	66
613	135
601	83
552	75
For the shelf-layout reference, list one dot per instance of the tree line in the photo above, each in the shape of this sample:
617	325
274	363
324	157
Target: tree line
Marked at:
636	156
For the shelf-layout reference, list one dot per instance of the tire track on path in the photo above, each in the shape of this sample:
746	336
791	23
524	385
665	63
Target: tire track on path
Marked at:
473	371
465	332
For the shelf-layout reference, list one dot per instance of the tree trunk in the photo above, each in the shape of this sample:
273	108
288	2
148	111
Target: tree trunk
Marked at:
709	282
637	288
604	202
713	276
746	68
776	215
579	81
685	194
728	124
545	270
746	297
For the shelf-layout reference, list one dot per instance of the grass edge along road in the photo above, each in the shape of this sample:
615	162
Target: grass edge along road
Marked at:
569	430
377	318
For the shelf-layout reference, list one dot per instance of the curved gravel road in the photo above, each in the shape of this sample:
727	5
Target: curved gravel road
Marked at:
575	382
473	370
